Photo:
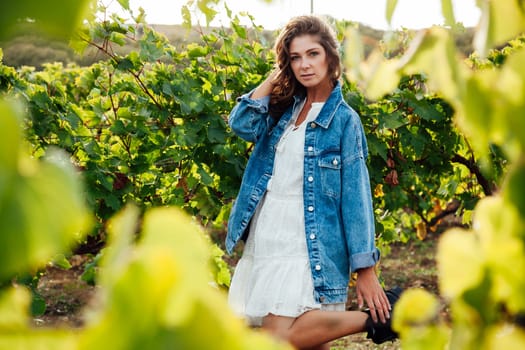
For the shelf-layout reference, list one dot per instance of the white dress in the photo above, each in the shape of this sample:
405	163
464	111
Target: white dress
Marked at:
273	276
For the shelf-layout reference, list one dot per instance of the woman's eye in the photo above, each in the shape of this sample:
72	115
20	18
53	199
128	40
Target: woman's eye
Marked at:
314	53
294	58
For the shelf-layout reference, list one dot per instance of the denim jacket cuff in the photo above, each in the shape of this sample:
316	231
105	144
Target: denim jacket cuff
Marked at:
362	260
259	104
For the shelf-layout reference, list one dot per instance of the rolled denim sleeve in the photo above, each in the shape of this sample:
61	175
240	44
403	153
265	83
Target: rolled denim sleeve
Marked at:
249	119
357	207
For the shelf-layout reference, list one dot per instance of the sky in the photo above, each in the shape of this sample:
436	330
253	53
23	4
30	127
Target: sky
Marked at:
413	14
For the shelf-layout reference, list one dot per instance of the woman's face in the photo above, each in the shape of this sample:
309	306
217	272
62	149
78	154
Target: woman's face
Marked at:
308	60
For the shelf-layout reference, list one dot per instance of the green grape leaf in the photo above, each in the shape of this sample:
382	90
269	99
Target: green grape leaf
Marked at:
240	30
58	18
390	8
499	228
61	261
377	146
448	13
14	307
416	307
433	48
459	248
515	187
416	319
505	336
40	220
500	21
124	4
150	302
10	142
383	78
38	305
186	16
205	6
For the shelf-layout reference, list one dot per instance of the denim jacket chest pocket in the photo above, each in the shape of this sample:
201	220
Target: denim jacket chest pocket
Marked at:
330	171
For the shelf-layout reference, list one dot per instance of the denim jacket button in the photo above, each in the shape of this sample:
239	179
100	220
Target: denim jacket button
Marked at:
335	162
312	125
310	178
317	267
310	148
310	208
312	236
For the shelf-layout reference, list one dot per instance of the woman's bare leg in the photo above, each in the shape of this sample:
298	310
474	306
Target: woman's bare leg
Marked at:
278	326
281	327
315	329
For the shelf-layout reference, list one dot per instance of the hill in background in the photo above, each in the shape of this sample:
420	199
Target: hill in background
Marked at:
29	48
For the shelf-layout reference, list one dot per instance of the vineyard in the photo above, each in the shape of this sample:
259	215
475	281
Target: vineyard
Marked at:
129	164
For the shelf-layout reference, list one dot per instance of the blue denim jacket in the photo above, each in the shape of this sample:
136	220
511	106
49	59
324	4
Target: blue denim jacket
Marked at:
339	221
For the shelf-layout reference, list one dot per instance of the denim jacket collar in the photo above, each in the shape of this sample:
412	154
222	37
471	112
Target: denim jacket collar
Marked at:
327	112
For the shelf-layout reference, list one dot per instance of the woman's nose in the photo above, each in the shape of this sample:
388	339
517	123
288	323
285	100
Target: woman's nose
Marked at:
305	63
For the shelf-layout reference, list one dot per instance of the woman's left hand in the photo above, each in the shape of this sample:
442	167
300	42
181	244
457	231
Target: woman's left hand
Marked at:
369	290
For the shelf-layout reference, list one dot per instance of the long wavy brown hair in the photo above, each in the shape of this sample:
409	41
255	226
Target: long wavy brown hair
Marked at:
286	85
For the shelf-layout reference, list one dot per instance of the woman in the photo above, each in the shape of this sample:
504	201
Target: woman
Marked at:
304	207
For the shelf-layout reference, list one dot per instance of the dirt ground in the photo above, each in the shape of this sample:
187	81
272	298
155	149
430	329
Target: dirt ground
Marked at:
66	295
409	265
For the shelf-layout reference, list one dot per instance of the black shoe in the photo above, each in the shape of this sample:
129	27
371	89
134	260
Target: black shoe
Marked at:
381	332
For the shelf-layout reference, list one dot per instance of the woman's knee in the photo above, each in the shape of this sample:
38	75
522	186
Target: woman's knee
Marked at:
278	326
